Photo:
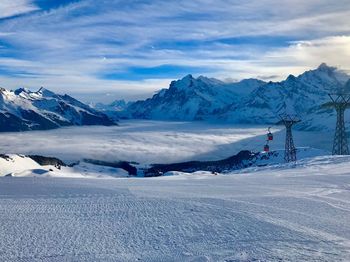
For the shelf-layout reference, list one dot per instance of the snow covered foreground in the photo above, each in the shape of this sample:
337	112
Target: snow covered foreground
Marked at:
281	213
23	166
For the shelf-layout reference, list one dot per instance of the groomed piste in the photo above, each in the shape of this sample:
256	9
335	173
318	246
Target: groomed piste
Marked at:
274	213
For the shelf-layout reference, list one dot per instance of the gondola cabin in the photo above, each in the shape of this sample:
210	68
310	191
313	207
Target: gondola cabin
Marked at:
270	136
266	148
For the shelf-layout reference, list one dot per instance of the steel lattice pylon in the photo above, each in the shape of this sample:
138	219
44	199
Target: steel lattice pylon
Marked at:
290	153
340	145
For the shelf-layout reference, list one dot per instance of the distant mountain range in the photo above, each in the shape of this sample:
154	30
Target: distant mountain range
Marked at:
192	99
248	101
23	110
304	95
115	110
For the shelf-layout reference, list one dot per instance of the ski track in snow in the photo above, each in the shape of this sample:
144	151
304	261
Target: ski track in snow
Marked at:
265	216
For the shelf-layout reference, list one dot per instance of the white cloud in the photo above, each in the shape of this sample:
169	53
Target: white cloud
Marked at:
10	8
303	55
130	142
78	76
68	52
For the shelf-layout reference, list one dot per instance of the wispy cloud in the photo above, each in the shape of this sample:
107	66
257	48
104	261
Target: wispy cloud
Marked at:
10	8
132	46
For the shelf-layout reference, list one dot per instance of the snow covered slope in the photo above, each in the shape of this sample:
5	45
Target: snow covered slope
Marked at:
248	101
13	164
192	99
279	214
24	166
22	110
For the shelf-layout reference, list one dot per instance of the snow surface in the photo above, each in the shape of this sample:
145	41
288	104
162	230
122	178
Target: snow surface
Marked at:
22	166
149	142
285	213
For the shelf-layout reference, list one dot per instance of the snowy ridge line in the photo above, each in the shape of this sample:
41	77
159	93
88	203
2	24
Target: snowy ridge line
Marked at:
250	101
23	110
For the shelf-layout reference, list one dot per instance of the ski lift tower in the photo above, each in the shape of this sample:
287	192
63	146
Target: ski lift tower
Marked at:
290	153
340	102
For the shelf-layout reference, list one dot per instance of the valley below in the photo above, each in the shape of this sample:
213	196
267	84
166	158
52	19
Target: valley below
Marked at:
150	142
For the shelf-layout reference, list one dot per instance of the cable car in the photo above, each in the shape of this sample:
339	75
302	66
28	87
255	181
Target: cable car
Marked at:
269	135
266	148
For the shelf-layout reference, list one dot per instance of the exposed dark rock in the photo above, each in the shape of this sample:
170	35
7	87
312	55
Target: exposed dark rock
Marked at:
120	164
48	161
239	161
6	157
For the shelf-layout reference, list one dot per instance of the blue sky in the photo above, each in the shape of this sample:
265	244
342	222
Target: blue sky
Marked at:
108	49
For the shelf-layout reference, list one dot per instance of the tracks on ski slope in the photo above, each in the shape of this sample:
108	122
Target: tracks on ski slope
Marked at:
137	220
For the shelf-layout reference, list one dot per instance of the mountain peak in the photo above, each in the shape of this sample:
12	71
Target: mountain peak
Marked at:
21	90
325	67
291	78
188	77
28	93
45	92
183	83
329	75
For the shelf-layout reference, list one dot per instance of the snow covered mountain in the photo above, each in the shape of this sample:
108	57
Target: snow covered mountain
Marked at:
249	101
114	110
192	99
22	110
304	95
117	105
